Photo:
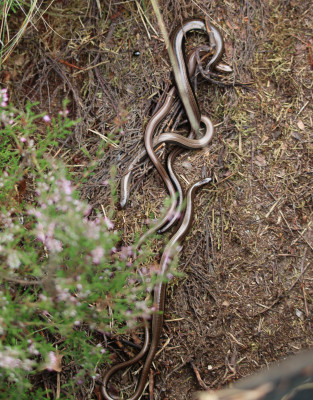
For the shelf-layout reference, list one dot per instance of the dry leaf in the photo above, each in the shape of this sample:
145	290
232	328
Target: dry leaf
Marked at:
187	164
259	161
21	188
227	173
296	135
6	76
19	60
301	125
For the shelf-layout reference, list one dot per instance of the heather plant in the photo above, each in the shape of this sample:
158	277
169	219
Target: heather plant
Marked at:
63	276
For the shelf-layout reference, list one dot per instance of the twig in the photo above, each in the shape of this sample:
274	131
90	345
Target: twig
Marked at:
163	347
58	386
90	67
22	281
222	225
151	384
252	157
208	234
192	254
302	283
199	379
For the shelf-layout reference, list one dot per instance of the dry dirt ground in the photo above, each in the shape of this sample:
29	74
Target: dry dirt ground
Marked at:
244	296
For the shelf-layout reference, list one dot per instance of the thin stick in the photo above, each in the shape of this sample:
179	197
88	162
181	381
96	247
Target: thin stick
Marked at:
302	283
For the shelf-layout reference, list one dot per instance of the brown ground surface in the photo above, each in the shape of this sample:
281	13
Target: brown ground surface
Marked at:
245	299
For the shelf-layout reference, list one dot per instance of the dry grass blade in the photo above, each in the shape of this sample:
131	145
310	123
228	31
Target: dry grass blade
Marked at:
106	139
10	43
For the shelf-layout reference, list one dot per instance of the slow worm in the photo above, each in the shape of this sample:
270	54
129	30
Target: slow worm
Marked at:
173	247
171	250
216	42
186	93
184	142
177	42
153	124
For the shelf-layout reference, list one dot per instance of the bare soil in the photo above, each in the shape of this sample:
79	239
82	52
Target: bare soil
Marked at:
244	296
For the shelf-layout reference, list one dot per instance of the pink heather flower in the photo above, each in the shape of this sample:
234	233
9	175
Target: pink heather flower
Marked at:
46	118
113	250
62	295
50	229
13	260
54	245
23	140
46	313
65	185
126	251
87	211
5	117
143	271
3	99
40	232
97	254
77	323
9	359
37	213
105	182
65	112
52	361
32	349
109	223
